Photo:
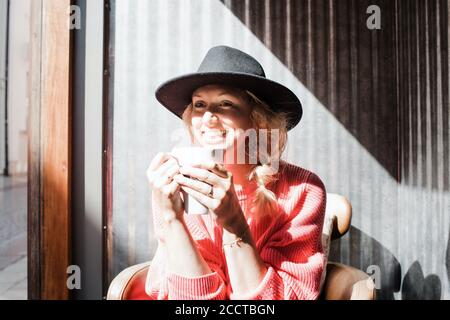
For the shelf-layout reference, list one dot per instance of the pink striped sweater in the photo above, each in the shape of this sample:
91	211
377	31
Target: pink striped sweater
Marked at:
289	244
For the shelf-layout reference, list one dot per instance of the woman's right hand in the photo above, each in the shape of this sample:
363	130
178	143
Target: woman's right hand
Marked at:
166	201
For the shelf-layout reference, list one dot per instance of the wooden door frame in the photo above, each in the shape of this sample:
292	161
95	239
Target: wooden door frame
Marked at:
49	150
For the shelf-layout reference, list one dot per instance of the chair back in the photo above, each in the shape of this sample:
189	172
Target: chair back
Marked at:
342	282
339	211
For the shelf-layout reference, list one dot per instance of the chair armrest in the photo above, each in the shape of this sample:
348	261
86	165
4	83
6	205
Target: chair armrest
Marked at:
129	284
347	283
340	207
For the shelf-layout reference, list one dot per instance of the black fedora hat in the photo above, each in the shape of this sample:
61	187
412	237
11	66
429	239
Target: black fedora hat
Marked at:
230	66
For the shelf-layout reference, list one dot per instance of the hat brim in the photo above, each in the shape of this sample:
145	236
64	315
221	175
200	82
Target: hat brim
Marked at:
176	93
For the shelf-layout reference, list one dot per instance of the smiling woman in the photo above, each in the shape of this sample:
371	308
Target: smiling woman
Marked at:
262	236
209	103
241	115
215	114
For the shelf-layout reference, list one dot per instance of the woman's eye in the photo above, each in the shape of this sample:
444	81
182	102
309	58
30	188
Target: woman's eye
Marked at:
198	105
226	104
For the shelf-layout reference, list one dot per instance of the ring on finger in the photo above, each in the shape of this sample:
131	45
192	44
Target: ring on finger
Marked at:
211	191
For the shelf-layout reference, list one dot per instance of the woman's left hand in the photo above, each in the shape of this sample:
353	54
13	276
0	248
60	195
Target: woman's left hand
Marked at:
214	189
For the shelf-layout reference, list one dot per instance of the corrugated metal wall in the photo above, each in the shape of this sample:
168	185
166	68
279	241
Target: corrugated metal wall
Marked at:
422	58
361	124
422	55
328	47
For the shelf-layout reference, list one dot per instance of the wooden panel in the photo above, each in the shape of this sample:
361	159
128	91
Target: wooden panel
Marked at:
49	213
56	149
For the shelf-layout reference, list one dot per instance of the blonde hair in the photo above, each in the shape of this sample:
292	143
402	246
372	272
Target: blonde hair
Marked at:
264	202
262	116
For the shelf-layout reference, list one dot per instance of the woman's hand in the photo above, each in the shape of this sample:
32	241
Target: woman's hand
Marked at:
214	188
182	257
166	200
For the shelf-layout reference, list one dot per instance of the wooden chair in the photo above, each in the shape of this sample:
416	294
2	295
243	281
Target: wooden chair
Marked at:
342	282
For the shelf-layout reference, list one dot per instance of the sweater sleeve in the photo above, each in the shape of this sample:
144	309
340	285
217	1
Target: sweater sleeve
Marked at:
208	287
294	255
169	286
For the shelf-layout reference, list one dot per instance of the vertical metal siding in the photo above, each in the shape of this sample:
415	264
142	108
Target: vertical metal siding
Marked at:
423	95
375	125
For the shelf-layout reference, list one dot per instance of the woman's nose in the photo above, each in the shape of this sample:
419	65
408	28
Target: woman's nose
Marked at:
209	116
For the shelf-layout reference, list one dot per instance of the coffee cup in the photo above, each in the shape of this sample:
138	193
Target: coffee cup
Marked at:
190	156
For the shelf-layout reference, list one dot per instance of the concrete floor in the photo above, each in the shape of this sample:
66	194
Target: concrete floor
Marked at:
13	238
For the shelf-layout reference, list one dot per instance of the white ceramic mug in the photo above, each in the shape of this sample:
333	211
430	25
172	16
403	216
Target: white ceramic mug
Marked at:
191	156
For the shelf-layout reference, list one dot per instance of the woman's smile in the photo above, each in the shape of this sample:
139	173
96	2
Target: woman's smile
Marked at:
214	137
214	133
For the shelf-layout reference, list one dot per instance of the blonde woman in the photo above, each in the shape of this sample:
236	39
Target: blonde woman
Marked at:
262	236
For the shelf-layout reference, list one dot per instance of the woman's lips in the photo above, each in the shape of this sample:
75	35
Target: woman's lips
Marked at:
214	136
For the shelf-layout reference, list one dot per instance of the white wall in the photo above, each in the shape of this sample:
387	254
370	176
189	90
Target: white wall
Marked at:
19	34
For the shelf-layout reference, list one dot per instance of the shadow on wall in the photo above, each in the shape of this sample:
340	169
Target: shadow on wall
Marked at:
355	87
447	257
366	252
417	287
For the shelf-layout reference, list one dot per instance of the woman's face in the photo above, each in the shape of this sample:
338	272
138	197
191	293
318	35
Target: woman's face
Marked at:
217	113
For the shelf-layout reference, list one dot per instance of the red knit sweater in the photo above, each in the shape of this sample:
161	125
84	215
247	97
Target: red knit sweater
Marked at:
289	244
